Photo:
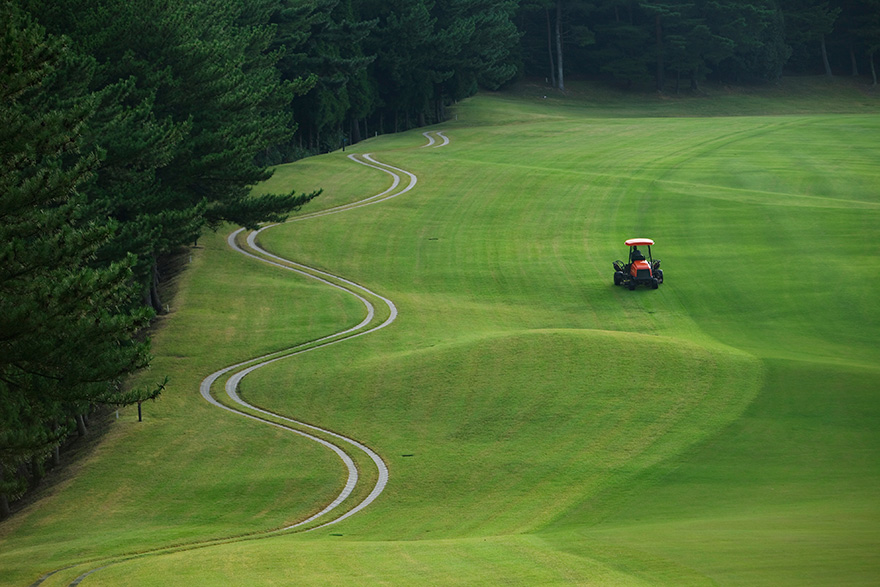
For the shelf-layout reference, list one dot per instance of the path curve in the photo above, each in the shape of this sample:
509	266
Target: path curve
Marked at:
242	369
338	282
432	141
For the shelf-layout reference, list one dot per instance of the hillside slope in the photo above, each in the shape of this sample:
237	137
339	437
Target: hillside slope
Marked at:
540	425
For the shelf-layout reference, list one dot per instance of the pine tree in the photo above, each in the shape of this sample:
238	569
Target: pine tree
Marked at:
809	22
67	329
190	98
325	45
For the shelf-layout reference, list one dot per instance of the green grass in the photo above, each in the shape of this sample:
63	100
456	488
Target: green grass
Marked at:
540	425
809	469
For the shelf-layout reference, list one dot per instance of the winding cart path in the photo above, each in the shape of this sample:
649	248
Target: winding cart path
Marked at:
402	182
336	442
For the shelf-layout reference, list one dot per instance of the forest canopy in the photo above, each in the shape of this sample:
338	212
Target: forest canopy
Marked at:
129	127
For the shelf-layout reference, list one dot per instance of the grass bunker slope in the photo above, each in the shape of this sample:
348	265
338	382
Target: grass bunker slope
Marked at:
540	425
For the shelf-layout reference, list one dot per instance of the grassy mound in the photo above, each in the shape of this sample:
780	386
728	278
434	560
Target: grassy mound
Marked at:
507	434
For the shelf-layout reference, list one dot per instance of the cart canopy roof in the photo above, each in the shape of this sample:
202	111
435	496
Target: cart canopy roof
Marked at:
634	242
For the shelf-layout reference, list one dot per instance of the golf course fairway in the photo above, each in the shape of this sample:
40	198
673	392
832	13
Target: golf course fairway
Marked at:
539	425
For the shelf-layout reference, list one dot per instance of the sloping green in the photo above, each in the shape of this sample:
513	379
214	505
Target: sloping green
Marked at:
540	425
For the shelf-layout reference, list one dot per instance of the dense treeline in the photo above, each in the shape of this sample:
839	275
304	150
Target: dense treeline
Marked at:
129	127
672	45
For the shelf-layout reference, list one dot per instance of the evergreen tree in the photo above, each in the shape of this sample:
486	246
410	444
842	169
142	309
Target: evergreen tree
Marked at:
857	34
625	37
404	70
191	97
481	37
807	25
569	26
325	45
429	53
67	328
685	43
756	33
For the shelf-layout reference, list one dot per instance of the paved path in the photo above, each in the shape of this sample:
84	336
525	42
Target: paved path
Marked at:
336	442
432	140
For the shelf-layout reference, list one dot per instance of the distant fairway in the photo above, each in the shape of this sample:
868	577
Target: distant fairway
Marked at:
540	425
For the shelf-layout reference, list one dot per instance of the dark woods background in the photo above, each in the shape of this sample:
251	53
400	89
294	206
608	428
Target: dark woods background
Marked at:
129	127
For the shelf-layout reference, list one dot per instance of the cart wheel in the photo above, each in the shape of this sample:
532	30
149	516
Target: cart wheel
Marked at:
631	285
655	284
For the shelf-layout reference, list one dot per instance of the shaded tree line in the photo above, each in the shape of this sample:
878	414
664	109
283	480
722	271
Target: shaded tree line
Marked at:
128	128
379	66
675	44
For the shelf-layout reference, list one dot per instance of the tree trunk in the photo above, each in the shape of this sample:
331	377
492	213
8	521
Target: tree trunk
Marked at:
5	512
550	49
36	471
825	58
81	425
559	77
155	300
658	27
873	70
355	130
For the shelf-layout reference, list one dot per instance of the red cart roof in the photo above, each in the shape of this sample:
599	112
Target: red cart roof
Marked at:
634	242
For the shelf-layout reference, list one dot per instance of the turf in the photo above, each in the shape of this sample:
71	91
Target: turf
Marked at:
540	425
